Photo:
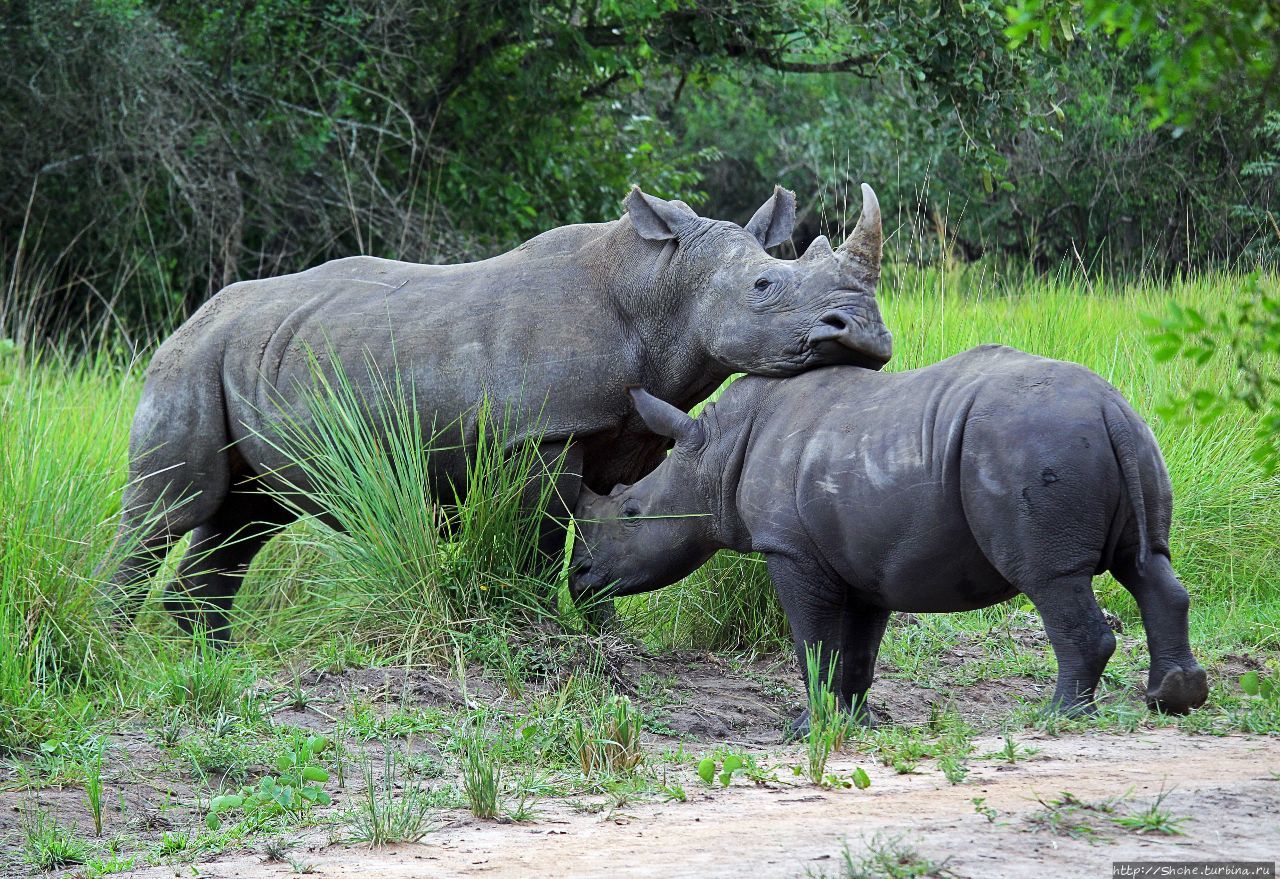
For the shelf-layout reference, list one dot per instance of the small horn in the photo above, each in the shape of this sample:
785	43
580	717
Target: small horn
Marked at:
865	241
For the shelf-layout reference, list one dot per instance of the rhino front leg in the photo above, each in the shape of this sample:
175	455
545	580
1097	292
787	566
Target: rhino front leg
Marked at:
864	627
560	463
1177	684
1082	641
815	607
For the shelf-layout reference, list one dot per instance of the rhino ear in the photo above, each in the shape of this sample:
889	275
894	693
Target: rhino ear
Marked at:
773	223
655	219
663	418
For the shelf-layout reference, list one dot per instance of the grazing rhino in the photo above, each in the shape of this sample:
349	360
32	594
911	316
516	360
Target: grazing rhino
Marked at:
550	333
947	488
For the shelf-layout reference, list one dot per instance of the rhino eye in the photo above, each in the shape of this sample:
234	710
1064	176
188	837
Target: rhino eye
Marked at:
763	283
631	509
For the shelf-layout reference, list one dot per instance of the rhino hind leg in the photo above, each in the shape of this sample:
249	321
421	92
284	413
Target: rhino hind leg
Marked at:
217	559
154	517
1081	639
1177	684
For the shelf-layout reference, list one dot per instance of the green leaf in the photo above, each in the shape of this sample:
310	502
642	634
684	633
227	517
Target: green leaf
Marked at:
1250	683
707	769
732	763
861	780
212	821
283	763
225	802
315	773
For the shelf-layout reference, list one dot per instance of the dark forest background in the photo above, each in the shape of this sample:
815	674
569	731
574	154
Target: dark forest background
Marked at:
152	151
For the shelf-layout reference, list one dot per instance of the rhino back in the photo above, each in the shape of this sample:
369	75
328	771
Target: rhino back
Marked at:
528	328
877	473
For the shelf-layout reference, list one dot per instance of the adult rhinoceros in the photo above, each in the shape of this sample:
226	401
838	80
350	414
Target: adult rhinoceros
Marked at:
553	331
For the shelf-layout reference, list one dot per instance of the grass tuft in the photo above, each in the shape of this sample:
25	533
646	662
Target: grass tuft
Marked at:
48	845
394	808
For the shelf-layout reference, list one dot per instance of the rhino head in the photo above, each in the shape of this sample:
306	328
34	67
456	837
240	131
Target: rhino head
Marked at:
752	312
645	536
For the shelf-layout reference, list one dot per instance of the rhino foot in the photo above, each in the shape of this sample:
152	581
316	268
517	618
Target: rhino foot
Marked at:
799	729
1179	691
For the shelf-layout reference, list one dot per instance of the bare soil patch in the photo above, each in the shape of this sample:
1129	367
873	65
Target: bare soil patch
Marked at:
1225	788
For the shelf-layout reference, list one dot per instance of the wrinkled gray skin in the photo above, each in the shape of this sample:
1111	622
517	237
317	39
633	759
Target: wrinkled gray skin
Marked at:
552	332
947	488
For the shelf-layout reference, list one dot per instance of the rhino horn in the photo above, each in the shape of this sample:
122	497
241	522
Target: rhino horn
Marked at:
866	239
819	249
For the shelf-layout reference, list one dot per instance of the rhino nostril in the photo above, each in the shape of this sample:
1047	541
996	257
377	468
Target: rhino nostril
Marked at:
837	320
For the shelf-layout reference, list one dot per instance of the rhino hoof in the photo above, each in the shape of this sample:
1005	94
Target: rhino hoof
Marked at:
799	728
1179	691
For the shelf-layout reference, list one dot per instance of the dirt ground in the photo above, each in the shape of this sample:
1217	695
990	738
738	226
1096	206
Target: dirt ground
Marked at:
1226	788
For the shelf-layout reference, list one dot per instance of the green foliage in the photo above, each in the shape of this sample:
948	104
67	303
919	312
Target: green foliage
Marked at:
296	789
1248	332
1069	815
62	443
481	775
989	812
1197	46
92	758
886	857
161	151
727	604
1264	688
1265	169
164	150
1152	819
730	764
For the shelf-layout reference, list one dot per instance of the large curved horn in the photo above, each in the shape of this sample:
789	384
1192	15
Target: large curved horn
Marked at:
865	241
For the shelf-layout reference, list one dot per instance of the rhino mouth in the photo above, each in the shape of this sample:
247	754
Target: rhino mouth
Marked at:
851	335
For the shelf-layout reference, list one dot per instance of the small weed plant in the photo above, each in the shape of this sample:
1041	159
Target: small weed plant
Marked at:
386	815
481	775
886	857
828	724
93	781
1154	819
49	845
609	742
293	792
207	683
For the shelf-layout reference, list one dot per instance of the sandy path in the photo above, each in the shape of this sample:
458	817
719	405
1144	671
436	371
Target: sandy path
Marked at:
1228	787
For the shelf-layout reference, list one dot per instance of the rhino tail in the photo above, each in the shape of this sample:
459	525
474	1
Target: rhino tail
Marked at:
1120	433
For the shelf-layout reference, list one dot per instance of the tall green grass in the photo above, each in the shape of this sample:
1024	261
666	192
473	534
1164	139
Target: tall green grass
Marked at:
404	570
63	432
1226	530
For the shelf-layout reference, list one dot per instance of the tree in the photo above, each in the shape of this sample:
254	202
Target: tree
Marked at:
1200	48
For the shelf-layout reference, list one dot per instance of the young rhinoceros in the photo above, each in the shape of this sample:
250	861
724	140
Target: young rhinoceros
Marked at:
947	488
